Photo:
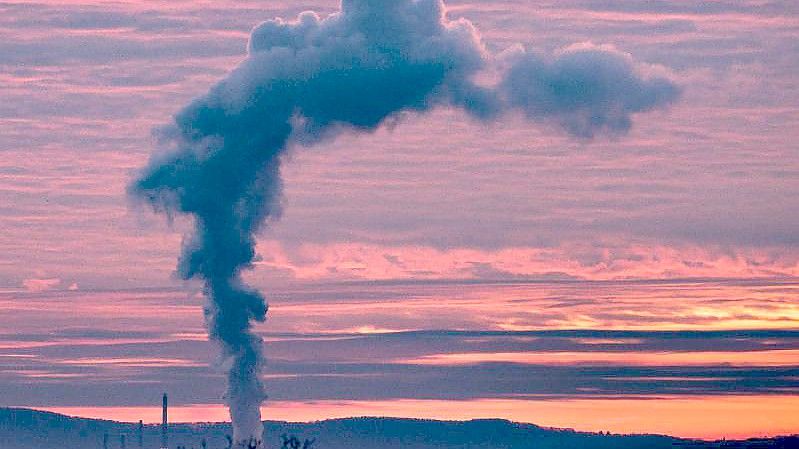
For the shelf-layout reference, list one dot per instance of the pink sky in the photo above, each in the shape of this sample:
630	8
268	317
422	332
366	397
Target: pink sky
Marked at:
705	189
695	352
411	227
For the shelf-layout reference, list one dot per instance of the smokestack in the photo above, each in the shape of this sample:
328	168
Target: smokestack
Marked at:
140	434
164	424
307	80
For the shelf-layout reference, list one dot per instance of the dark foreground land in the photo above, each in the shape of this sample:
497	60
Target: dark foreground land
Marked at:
29	429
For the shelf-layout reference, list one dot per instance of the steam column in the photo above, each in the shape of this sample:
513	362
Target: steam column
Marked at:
164	439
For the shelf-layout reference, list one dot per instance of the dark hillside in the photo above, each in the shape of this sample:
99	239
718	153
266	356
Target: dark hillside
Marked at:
29	429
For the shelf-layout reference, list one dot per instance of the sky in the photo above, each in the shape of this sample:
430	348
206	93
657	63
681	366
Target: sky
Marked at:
438	255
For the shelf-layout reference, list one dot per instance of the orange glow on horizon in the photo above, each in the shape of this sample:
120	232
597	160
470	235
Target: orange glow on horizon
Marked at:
693	358
702	417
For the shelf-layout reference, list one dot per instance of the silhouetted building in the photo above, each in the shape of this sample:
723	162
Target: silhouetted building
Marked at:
140	434
164	425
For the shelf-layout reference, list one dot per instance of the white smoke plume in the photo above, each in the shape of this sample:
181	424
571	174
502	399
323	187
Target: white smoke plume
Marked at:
585	88
312	77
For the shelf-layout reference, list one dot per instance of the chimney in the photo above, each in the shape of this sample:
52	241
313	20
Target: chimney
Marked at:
164	429
140	433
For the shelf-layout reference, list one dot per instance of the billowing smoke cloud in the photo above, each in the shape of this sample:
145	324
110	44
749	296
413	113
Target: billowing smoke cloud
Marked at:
586	89
310	78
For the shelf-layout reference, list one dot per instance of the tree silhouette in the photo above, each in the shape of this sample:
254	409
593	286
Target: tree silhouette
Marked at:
292	442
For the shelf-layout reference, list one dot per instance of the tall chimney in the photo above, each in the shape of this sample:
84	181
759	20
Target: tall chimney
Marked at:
164	429
141	434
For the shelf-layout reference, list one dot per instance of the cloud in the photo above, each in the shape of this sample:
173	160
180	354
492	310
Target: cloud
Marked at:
307	81
364	366
103	49
41	285
585	88
597	260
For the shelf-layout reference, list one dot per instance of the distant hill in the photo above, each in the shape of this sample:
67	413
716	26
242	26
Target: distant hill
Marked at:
30	429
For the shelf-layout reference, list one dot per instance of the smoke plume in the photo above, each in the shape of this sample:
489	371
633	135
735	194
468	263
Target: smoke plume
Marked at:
586	89
307	79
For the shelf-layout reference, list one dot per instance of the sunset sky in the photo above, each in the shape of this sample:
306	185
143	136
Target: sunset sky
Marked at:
438	267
